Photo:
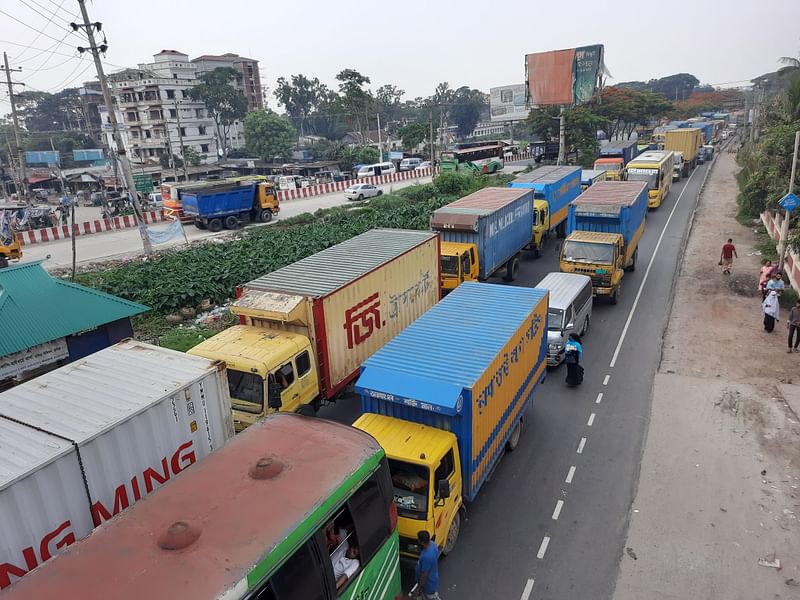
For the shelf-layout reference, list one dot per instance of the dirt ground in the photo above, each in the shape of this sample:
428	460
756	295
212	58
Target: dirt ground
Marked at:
719	487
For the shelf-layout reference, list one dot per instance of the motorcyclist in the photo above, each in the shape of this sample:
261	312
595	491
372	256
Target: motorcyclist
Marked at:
573	355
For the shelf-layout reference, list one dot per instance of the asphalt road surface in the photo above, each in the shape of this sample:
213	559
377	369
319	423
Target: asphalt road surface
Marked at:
551	523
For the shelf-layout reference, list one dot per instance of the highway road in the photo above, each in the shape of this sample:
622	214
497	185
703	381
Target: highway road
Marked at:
551	523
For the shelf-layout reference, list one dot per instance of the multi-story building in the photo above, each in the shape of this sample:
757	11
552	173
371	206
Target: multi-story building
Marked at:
91	97
250	82
157	113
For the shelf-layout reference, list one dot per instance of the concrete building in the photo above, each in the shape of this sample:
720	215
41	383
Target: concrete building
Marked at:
250	83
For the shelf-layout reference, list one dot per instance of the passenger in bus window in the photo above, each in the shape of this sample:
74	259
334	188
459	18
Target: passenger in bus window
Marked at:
346	566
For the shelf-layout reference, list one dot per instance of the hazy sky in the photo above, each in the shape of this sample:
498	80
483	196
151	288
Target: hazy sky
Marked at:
414	45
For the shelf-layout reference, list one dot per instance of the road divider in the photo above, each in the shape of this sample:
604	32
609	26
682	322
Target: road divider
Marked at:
60	232
340	186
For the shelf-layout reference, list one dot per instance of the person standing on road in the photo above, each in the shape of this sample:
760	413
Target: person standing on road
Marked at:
427	572
726	256
794	327
776	283
771	310
764	277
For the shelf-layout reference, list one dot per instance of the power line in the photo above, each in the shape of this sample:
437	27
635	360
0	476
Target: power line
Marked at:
23	23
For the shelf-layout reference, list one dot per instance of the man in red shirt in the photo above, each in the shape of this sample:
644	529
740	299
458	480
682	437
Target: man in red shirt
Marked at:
726	256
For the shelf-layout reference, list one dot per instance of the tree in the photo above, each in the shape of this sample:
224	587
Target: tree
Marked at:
467	107
355	99
413	134
268	135
166	163
300	97
225	103
368	155
625	108
673	87
41	111
389	101
581	125
192	156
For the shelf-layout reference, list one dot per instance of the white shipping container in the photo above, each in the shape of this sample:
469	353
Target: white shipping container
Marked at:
82	443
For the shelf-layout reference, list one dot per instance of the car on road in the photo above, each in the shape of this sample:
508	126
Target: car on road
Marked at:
425	164
409	164
361	191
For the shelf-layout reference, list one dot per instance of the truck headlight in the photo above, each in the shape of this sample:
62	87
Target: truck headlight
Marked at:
556	347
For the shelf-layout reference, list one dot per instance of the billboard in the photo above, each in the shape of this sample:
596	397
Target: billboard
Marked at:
563	77
508	103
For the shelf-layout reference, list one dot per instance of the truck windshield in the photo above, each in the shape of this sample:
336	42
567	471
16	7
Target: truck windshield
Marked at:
411	488
648	175
588	252
555	319
247	391
450	265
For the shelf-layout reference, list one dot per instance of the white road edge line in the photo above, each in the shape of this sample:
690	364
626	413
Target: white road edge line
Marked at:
599	398
606	379
543	547
570	475
590	421
581	445
526	593
557	511
647	273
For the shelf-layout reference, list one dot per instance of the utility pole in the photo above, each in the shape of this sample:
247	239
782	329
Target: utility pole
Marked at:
380	151
787	214
180	138
562	138
433	147
23	189
127	173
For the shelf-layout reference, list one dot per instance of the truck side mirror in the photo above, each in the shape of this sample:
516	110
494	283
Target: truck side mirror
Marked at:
442	489
274	394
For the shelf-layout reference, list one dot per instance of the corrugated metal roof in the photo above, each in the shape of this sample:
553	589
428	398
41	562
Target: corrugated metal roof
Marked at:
86	397
334	267
22	449
451	345
610	193
36	308
546	174
484	201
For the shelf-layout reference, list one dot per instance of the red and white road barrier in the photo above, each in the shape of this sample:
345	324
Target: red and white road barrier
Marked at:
340	186
60	232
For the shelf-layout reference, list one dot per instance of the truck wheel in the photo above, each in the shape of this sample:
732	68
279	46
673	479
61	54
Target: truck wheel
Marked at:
513	441
215	225
562	230
512	269
585	326
632	267
306	410
3	261
199	224
265	216
231	222
615	296
452	534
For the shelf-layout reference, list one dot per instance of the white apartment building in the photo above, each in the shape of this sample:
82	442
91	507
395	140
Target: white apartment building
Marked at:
156	114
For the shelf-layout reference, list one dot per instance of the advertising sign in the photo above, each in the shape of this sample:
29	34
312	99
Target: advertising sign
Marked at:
588	65
508	103
143	183
563	77
32	358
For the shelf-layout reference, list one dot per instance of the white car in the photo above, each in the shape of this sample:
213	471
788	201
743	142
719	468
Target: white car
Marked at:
426	164
360	191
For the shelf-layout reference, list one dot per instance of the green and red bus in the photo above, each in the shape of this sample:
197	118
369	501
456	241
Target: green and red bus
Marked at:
484	159
263	518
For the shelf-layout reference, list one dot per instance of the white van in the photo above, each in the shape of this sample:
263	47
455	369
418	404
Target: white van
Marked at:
384	168
409	164
569	311
292	182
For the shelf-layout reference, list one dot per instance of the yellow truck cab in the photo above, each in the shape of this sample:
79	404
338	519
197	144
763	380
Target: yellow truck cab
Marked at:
613	167
601	256
459	264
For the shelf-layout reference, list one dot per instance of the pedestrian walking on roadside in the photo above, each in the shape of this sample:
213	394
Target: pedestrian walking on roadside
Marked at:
427	572
726	256
771	309
776	283
794	327
764	277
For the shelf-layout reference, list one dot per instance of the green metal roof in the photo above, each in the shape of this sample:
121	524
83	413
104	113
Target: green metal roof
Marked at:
36	308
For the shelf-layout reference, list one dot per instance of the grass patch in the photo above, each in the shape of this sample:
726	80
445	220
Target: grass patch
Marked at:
766	245
788	298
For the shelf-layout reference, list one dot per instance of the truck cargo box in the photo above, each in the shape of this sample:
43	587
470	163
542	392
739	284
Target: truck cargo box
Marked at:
349	299
557	185
82	443
214	203
610	207
686	141
625	149
499	221
470	365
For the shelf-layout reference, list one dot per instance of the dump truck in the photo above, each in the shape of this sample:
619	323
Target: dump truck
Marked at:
553	189
230	204
687	141
447	397
614	156
306	328
171	191
82	443
483	233
605	225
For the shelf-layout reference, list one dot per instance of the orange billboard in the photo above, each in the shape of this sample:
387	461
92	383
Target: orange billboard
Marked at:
563	77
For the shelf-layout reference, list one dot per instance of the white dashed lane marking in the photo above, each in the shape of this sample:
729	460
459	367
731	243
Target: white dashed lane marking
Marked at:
570	475
581	445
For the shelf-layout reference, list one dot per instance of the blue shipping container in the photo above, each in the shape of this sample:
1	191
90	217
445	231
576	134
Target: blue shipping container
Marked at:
627	149
499	221
610	207
707	128
436	372
557	185
218	203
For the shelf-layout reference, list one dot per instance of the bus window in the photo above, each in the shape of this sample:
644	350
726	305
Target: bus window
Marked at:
369	506
302	577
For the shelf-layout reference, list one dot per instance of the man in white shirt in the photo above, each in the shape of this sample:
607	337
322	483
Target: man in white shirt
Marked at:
345	566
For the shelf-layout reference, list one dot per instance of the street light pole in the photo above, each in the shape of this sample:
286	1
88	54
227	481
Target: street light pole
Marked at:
787	214
21	154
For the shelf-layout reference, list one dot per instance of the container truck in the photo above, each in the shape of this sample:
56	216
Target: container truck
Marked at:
448	396
677	166
171	191
82	443
482	233
591	176
707	127
229	205
605	225
614	156
307	327
687	141
553	189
